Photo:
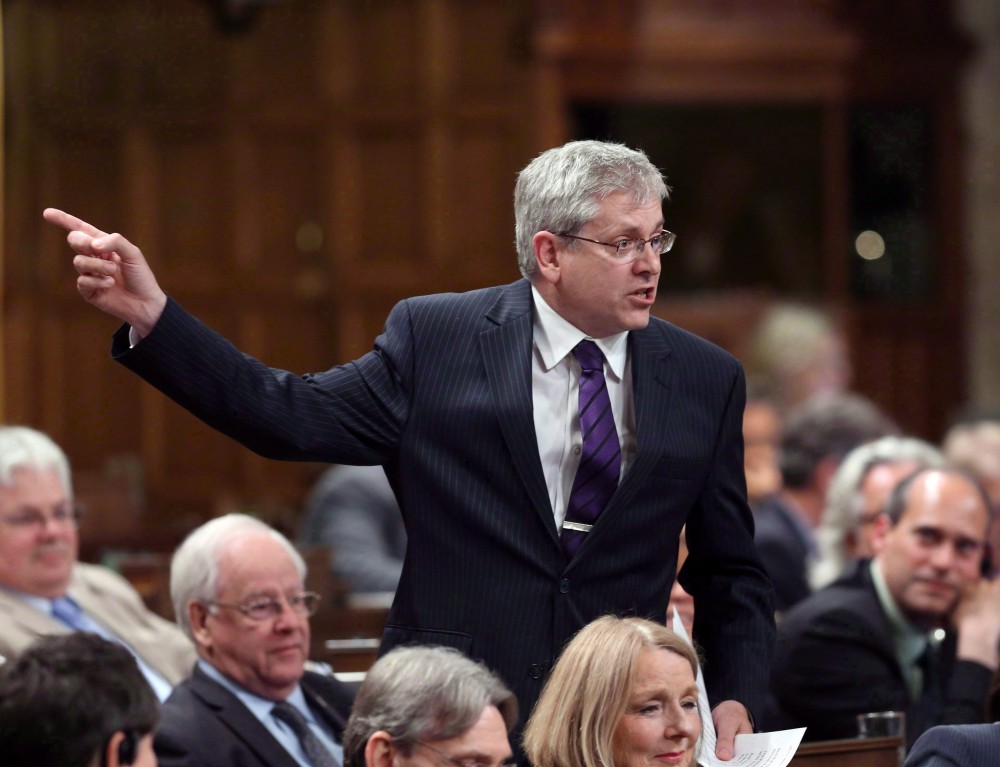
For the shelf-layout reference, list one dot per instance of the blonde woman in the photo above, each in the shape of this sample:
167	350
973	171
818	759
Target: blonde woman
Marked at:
623	694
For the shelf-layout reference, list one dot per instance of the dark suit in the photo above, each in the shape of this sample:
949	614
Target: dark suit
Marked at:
835	659
784	550
202	724
444	402
964	745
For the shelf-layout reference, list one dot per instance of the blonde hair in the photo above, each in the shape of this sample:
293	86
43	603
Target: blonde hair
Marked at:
573	724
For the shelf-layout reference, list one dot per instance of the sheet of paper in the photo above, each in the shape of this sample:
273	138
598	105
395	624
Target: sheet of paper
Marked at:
761	749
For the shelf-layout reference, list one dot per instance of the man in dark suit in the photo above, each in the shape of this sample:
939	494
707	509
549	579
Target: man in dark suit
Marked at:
916	629
470	402
959	745
237	588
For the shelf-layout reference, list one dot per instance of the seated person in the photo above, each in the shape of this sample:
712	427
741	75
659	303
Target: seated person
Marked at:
76	700
45	590
353	511
814	439
430	700
916	629
957	745
857	495
237	589
623	693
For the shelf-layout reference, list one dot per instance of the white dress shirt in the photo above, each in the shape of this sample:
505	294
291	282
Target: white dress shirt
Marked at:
555	391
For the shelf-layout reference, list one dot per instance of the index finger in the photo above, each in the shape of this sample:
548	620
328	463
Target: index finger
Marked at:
70	223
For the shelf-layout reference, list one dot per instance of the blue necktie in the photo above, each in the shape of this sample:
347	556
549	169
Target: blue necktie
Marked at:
318	754
601	460
69	612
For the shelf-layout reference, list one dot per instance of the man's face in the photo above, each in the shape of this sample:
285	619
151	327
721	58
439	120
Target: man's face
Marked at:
37	551
875	489
591	289
266	657
934	550
484	744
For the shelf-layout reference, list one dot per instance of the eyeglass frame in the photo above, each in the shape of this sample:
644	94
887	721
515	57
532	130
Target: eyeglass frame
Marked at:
456	761
275	606
636	244
68	515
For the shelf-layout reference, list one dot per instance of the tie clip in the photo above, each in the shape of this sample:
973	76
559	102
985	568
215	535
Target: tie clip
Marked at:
580	527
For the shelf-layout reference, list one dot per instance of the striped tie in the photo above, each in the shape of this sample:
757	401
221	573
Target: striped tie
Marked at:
600	464
311	744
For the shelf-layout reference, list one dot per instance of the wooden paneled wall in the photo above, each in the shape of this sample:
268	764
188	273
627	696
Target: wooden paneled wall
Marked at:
288	184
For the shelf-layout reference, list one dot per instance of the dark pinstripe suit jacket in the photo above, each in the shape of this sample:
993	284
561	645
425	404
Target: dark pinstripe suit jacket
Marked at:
444	401
960	745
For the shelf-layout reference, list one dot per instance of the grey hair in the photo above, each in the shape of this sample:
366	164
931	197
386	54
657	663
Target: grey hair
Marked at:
24	448
842	512
562	189
194	569
423	694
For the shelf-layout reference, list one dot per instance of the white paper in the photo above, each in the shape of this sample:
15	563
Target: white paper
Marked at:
761	749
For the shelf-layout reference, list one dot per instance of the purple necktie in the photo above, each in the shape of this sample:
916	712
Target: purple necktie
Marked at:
600	464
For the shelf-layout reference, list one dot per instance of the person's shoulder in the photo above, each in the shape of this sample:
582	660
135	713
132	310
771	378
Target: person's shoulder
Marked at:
967	744
684	341
846	608
470	299
103	578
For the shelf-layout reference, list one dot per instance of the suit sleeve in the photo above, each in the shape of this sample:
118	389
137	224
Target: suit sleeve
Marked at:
351	413
734	605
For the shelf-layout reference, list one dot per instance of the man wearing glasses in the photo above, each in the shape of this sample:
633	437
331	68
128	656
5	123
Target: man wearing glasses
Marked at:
45	590
237	589
546	439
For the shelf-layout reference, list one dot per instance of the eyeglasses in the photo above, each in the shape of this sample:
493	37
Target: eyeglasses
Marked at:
627	251
456	761
67	515
264	608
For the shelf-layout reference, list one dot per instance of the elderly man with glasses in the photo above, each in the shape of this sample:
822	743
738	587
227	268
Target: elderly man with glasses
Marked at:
237	589
45	590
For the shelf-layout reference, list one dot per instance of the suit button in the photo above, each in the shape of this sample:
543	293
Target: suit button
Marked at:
564	586
535	672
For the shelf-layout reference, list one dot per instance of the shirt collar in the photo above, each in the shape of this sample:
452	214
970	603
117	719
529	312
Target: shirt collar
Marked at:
555	337
259	707
909	641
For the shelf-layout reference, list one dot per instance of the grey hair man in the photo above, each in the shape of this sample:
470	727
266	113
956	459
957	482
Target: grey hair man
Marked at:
857	496
238	590
44	589
427	706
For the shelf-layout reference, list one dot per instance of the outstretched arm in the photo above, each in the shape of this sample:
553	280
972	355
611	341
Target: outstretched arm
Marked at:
113	273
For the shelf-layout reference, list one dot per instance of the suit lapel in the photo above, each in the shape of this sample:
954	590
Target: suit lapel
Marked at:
237	718
506	345
34	623
651	390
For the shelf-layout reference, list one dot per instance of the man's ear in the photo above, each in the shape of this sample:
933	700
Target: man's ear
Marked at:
197	617
547	255
111	754
379	750
881	527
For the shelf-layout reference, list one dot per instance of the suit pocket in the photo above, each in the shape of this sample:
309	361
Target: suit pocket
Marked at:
404	635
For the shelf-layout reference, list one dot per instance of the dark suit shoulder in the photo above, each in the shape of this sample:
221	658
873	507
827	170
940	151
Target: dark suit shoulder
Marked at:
684	341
